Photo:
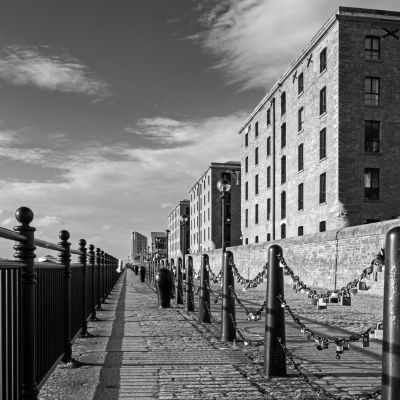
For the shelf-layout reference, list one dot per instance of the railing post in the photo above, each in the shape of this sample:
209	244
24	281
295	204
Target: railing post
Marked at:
65	258
92	263
107	272
391	318
98	263
204	299
228	332
25	252
103	277
274	356
189	286
178	294
83	261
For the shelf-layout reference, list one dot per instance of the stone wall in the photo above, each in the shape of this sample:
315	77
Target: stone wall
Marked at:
319	259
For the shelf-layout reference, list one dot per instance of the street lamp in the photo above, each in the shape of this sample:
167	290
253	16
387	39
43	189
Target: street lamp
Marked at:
189	291
167	231
227	309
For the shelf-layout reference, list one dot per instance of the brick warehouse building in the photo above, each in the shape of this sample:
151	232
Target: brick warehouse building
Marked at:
175	242
321	150
205	208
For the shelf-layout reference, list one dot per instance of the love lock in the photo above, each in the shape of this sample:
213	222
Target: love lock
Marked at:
362	285
319	344
379	331
334	298
365	340
345	299
321	305
346	345
314	300
339	350
325	344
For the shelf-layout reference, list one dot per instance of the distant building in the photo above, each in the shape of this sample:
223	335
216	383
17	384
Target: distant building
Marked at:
175	242
139	244
159	244
205	208
321	151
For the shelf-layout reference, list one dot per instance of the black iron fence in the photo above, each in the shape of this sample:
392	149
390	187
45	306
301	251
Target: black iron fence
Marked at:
39	316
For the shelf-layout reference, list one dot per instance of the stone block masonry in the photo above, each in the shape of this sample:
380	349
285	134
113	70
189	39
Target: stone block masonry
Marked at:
319	259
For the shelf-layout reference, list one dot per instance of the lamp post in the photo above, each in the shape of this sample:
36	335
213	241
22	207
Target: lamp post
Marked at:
167	231
187	269
227	310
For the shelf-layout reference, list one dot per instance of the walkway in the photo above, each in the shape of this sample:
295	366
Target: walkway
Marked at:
139	351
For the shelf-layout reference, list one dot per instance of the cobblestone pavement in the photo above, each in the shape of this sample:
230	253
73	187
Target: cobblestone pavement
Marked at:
139	351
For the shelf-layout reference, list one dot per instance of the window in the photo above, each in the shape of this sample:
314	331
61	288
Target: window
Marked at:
322	144
256	156
246	139
300	231
283	205
371	183
283	231
246	165
256	130
283	103
300	119
246	218
300	83
322	226
300	196
246	241
208	214
268	116
268	237
372	48
322	101
268	146
283	169
283	135
322	60
268	177
300	157
372	91
268	209
322	188
256	185
256	214
256	239
246	191
372	133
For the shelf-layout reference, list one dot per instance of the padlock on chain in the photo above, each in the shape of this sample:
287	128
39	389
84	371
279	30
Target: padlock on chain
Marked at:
334	298
379	331
339	350
346	345
365	340
314	300
321	305
345	299
326	344
319	344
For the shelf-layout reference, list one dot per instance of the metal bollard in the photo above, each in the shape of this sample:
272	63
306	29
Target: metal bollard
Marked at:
391	315
204	298
164	284
142	273
179	284
189	286
274	356
228	331
25	252
136	269
82	260
65	258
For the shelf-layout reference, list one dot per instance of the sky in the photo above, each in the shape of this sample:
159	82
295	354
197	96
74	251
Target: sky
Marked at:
110	110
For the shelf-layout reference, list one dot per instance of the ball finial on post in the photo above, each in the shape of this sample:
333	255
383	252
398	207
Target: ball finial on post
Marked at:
24	215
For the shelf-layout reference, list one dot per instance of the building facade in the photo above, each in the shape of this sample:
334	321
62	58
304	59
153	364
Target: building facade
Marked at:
138	245
176	243
159	245
205	208
321	150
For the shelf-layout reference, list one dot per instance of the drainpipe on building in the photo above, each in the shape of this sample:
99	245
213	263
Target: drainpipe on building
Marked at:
273	168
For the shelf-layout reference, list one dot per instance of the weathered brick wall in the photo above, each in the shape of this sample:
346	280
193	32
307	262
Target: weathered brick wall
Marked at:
318	259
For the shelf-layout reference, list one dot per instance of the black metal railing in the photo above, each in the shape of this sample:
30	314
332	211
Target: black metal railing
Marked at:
39	316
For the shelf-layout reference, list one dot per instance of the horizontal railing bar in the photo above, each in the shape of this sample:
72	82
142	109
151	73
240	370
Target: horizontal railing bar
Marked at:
77	252
48	245
11	264
11	235
48	265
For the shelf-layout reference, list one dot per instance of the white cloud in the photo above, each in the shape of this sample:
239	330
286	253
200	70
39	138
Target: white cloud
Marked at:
8	137
44	222
29	66
168	205
256	40
8	221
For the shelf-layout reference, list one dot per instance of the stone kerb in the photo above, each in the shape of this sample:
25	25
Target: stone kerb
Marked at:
319	259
